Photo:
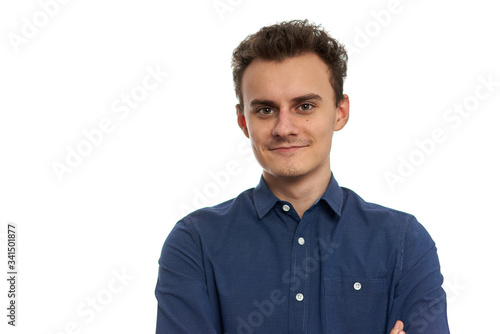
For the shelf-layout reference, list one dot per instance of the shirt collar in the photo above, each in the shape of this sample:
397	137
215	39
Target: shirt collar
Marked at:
264	199
333	196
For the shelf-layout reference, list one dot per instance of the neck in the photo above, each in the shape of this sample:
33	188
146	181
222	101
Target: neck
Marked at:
300	191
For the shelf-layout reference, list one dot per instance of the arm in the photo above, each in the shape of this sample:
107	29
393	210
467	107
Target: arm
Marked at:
184	305
419	300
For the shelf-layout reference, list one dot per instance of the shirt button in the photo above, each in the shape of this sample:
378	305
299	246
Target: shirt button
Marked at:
357	286
301	241
286	208
299	297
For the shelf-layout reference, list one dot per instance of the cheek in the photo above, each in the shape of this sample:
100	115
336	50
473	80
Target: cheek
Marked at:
258	131
256	140
320	130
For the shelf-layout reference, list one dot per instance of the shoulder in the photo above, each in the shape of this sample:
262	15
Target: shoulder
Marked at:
208	228
217	216
381	227
372	213
360	214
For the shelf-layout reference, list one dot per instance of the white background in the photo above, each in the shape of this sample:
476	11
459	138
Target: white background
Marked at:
113	211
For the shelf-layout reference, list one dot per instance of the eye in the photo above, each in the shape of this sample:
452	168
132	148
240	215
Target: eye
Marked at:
265	111
306	107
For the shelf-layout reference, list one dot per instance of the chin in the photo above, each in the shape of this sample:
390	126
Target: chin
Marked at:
289	172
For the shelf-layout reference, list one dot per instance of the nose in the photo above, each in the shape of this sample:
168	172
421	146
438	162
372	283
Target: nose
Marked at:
285	124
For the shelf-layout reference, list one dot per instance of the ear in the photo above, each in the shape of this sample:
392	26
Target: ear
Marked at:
242	122
342	114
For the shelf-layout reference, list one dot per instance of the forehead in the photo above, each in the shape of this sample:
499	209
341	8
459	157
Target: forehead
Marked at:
292	77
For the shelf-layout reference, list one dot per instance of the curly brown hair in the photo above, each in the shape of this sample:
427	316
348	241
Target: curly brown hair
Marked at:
289	39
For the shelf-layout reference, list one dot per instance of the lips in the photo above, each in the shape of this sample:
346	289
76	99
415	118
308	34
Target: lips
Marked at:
286	149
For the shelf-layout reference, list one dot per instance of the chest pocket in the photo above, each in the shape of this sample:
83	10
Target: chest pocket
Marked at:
355	305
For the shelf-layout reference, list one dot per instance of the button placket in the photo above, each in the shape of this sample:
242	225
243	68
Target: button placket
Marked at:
300	274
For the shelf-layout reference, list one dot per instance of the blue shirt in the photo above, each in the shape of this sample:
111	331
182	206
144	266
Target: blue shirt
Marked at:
251	265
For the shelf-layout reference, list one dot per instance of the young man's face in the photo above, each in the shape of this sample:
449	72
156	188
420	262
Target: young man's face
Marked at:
290	115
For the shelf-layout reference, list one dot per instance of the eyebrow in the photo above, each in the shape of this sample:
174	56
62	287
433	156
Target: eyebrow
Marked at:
297	99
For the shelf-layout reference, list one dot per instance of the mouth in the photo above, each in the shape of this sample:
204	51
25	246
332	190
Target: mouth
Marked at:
286	149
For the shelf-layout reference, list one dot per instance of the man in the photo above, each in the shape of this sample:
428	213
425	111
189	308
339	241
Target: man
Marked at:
297	254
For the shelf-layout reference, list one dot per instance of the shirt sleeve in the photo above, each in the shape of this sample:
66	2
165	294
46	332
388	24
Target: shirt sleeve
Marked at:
183	302
419	299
